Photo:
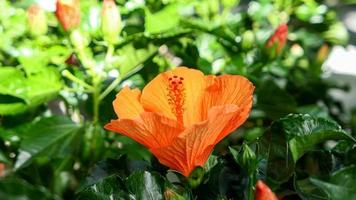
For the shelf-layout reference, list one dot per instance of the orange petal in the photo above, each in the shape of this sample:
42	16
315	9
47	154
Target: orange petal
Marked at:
156	95
193	147
263	192
150	129
127	105
229	89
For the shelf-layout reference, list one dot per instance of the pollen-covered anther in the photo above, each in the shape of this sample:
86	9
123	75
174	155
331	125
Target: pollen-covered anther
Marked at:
176	96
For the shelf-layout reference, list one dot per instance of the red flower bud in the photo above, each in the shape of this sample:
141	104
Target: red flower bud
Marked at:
68	13
278	39
37	20
2	169
263	192
72	60
111	21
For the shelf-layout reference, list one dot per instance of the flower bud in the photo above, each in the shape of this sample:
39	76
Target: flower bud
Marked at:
276	42
110	21
172	195
79	40
337	34
263	192
322	54
248	39
68	13
37	20
2	169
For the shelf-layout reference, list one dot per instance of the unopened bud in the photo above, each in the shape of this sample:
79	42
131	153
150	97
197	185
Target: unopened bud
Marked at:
263	192
276	42
248	39
2	169
68	13
322	54
37	20
110	21
337	34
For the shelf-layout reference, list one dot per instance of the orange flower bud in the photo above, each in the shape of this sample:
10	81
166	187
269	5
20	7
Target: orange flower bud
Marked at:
263	192
277	40
111	21
37	20
322	54
68	13
2	169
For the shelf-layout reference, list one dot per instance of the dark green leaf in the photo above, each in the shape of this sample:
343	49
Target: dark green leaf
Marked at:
144	185
110	188
46	137
275	101
16	189
340	185
290	137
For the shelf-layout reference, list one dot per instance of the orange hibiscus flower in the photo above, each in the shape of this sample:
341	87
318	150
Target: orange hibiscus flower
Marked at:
181	114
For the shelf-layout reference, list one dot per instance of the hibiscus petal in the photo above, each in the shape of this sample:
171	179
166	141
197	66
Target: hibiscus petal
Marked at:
229	89
155	96
127	105
150	129
193	147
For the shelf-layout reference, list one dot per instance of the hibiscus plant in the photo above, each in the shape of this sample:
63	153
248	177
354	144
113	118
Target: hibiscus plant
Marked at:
172	99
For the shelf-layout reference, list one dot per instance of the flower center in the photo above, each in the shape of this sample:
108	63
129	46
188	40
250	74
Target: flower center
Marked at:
176	96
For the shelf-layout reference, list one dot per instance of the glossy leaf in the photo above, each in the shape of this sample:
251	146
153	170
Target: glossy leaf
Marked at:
290	137
16	189
31	91
109	188
49	136
145	185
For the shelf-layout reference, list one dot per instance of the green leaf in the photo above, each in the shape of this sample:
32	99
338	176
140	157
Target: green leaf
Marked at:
140	185
304	132
16	189
274	101
146	185
109	188
108	167
23	93
292	136
163	20
49	137
131	58
339	186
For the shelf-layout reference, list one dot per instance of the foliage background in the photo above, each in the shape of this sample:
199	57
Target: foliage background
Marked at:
53	108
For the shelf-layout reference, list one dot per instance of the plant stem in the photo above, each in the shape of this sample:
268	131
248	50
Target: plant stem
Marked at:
96	100
71	77
117	81
110	88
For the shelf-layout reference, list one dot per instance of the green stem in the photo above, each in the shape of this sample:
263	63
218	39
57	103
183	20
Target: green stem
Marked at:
110	88
117	81
71	77
96	101
97	96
